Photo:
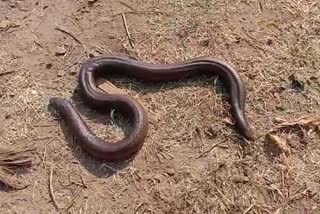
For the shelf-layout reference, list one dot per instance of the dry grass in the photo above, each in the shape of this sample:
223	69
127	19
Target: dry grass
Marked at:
192	161
12	160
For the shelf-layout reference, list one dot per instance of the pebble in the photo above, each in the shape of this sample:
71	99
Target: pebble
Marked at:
60	51
170	172
4	24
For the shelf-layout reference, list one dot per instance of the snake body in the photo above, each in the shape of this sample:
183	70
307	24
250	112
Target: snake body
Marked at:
130	107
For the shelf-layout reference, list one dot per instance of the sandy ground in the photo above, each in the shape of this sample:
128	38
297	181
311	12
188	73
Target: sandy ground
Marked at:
192	160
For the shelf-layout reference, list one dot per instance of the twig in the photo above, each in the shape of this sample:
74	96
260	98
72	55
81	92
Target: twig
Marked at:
135	11
6	73
109	167
74	37
299	194
52	196
127	30
277	211
134	181
225	199
209	150
127	5
68	52
72	201
83	182
140	12
69	33
248	209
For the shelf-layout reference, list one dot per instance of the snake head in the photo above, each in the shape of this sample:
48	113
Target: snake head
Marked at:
54	104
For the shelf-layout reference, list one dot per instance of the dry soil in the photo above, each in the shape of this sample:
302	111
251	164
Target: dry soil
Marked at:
192	161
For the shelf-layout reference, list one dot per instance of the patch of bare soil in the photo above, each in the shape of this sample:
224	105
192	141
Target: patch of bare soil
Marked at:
192	160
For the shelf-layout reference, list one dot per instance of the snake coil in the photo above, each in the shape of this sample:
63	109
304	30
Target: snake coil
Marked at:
130	107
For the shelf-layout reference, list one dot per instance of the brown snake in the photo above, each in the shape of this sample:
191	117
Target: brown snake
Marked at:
131	144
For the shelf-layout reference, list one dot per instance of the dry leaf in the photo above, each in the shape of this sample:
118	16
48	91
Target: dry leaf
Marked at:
278	142
228	121
309	122
110	88
279	120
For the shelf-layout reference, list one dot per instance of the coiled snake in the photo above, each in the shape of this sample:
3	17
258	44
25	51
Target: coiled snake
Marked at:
131	144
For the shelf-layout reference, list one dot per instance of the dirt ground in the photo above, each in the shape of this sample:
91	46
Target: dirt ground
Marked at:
192	160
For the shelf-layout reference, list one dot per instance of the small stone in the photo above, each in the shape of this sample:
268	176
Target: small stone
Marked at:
313	78
91	2
228	121
49	65
15	24
72	72
7	116
60	73
241	179
92	54
4	24
60	51
170	172
297	82
205	43
237	40
280	108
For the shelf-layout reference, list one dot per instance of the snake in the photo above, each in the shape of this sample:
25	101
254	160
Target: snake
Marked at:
132	142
